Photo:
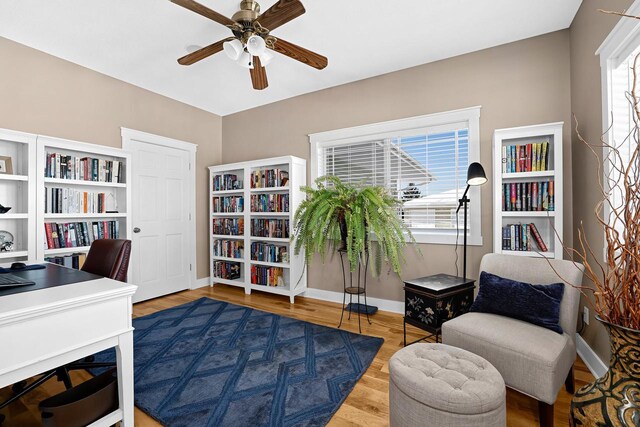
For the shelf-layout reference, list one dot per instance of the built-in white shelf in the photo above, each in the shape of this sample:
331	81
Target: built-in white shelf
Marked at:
5	177
61	251
85	215
14	254
270	264
78	182
294	275
14	216
117	194
548	223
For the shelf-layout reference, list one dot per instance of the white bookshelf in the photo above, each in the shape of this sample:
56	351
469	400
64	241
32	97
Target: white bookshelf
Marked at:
18	191
294	276
548	222
117	194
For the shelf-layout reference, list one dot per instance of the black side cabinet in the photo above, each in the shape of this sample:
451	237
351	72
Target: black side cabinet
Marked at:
430	301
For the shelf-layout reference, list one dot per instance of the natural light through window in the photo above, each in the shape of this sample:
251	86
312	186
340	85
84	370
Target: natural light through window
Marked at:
424	167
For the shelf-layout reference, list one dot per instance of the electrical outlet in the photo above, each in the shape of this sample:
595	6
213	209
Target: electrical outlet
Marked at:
585	315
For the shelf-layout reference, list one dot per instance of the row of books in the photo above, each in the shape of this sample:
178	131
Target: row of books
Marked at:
71	261
228	226
525	157
83	168
227	270
267	276
528	196
226	182
269	178
228	204
518	237
269	203
78	234
228	248
268	252
69	200
277	228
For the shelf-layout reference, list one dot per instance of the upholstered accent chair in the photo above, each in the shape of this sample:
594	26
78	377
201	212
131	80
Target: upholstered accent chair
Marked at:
531	359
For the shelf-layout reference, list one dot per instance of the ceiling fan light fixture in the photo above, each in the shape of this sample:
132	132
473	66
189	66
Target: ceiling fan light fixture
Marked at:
265	58
256	45
246	60
233	49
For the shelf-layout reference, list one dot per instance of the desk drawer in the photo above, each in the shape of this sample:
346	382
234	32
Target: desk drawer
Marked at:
52	333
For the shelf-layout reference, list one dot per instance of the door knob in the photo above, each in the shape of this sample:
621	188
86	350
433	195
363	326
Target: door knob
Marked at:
136	230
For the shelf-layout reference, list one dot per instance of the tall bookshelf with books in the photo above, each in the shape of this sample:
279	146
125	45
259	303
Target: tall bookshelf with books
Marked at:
528	195
17	196
83	195
251	207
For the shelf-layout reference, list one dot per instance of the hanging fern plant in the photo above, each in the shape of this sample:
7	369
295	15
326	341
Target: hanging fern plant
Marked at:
341	216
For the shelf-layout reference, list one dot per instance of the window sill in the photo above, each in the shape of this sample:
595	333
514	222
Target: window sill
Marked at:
446	239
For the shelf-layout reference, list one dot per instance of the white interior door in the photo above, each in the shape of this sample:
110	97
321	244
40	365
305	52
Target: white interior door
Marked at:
161	237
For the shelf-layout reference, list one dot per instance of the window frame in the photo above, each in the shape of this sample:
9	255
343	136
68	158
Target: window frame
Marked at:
409	127
621	42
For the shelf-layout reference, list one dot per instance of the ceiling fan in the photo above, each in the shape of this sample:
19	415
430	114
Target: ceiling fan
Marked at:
252	39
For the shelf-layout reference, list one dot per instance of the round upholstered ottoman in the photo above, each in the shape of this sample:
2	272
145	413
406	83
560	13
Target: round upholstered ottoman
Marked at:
440	385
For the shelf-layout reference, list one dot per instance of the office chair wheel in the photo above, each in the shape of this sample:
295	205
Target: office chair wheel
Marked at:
18	387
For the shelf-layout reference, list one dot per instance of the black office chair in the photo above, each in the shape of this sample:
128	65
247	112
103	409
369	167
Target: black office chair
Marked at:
106	258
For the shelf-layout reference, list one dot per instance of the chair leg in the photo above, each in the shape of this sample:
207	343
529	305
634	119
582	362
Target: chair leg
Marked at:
545	413
569	383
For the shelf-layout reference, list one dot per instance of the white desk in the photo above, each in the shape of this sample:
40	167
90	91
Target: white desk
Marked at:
47	328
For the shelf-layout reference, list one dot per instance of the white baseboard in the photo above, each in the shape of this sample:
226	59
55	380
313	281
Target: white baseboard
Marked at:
590	358
200	283
382	304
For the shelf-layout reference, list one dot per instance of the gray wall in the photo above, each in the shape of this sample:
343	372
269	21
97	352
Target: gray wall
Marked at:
521	83
45	95
588	31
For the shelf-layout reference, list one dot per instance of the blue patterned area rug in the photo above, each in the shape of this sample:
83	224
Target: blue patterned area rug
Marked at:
211	363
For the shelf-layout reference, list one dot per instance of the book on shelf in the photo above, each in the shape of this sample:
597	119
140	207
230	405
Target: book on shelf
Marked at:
228	226
266	178
270	203
528	196
226	182
530	157
227	270
71	261
228	204
69	200
275	228
228	248
267	276
66	166
268	252
518	237
79	234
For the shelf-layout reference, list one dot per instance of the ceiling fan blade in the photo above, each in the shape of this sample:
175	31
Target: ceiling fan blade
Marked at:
281	13
199	54
301	54
258	75
204	11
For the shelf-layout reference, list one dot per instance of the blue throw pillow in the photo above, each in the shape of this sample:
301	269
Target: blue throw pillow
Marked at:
537	304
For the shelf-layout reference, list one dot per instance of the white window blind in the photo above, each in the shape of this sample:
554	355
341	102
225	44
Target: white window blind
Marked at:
425	170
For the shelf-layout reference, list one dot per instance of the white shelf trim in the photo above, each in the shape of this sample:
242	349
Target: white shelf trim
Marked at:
79	182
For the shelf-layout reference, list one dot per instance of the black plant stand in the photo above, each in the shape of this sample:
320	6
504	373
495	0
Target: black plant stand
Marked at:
358	288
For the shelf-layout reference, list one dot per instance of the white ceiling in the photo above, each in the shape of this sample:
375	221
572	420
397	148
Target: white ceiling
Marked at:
138	41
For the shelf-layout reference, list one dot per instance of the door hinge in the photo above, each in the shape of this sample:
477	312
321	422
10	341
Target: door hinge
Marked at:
189	216
189	165
190	267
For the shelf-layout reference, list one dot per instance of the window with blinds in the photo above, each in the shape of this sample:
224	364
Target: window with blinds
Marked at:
426	171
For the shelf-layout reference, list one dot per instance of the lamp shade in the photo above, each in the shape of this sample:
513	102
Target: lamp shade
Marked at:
256	45
233	49
246	60
265	58
475	174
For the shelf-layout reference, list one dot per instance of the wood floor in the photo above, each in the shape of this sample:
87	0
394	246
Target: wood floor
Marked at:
367	405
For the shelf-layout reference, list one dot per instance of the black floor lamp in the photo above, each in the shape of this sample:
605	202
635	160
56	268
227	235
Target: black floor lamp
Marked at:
475	176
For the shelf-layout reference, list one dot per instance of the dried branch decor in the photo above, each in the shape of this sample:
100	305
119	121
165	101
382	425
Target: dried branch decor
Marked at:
616	291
